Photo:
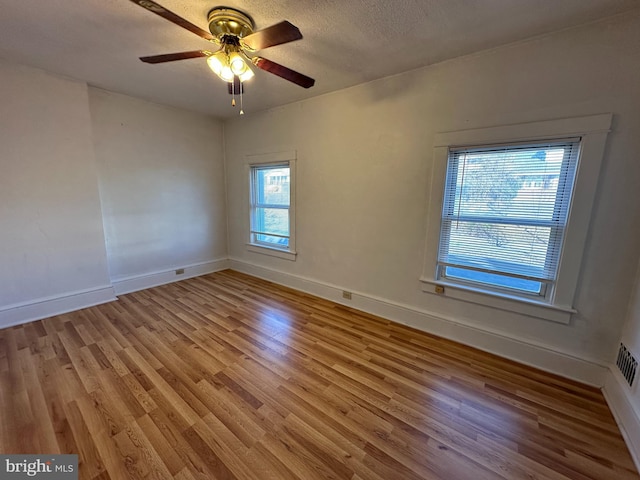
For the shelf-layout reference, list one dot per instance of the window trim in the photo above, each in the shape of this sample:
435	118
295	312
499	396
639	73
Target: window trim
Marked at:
287	158
558	308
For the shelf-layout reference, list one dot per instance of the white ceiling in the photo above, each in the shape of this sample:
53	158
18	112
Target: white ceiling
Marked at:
345	42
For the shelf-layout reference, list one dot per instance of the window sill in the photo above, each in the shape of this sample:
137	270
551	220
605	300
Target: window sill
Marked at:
271	251
532	308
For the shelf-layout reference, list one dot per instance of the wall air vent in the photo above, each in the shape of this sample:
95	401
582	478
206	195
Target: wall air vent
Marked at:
627	364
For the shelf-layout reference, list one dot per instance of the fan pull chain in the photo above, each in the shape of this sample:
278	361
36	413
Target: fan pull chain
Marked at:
233	92
241	110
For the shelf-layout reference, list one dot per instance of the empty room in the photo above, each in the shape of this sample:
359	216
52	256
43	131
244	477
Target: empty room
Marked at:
320	240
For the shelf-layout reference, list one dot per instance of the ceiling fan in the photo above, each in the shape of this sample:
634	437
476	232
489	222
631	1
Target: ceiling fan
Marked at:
233	31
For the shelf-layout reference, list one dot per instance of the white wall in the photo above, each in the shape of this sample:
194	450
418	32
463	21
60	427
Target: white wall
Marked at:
162	186
631	333
364	160
101	194
623	399
51	236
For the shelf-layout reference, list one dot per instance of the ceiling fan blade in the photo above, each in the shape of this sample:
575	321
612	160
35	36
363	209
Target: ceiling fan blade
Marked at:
283	72
173	18
283	32
172	57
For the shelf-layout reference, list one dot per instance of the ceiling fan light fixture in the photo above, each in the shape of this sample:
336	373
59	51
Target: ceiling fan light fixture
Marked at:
227	66
226	74
248	74
217	62
237	63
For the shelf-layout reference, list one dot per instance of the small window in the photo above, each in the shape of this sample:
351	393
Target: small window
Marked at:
504	215
272	195
270	202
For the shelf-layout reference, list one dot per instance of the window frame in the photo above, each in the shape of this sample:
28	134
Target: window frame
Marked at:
277	159
557	305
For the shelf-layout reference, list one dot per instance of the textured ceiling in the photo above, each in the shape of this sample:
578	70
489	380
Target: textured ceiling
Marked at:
345	42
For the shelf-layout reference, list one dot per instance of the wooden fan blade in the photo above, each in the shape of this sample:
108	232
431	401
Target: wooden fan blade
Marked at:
172	57
283	32
173	18
283	72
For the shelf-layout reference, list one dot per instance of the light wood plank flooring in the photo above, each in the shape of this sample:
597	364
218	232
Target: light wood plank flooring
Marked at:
230	377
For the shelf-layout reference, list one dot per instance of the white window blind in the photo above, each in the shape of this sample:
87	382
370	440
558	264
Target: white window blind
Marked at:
504	214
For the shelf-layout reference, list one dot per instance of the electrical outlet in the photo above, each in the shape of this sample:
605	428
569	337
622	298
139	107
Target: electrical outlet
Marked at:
180	271
439	289
346	295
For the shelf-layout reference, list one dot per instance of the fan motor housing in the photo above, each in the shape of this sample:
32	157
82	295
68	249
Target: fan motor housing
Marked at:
229	21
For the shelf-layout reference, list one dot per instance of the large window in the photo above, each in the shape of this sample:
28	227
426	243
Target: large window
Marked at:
271	204
509	211
504	215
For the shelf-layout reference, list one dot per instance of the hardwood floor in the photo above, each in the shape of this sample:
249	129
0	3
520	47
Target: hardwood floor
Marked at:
226	376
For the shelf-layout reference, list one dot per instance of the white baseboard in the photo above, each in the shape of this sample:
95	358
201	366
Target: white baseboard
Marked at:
40	308
618	395
591	372
134	283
